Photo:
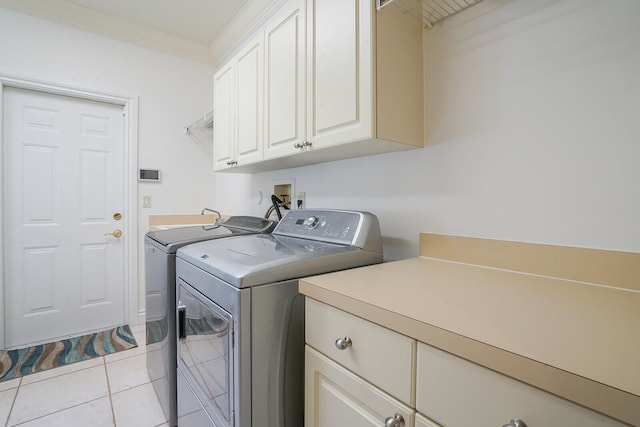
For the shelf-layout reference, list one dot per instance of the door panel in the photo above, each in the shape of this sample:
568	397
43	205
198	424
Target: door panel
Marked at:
334	396
223	130
205	355
340	81
249	107
285	82
63	181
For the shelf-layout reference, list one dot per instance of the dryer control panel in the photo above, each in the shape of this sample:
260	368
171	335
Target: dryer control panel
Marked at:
350	228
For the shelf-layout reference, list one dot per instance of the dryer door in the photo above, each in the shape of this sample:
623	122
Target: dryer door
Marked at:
205	358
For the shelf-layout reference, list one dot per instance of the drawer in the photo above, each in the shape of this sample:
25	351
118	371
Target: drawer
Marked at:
334	396
455	392
422	421
379	355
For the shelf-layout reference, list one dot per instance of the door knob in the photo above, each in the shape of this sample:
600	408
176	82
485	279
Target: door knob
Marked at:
115	233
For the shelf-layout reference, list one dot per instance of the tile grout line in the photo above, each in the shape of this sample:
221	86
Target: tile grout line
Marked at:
20	386
52	413
13	402
106	373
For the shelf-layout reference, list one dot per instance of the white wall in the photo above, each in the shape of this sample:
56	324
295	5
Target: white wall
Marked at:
532	112
533	134
172	93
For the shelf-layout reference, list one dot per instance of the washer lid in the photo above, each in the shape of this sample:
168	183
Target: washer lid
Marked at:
173	238
246	261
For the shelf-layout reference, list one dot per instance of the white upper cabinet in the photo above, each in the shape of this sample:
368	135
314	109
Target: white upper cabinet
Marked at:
223	107
250	89
341	80
238	104
285	47
340	71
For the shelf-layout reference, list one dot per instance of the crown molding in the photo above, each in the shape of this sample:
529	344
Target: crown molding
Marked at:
85	19
249	20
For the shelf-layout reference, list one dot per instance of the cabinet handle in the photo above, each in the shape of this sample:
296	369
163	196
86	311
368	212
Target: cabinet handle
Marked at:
344	343
396	421
302	144
515	422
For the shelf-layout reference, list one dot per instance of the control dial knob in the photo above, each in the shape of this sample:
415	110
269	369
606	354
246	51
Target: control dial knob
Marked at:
312	222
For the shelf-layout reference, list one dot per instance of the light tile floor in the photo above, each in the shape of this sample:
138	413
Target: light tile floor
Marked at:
108	391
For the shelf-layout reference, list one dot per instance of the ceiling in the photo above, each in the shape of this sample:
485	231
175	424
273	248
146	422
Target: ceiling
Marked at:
200	30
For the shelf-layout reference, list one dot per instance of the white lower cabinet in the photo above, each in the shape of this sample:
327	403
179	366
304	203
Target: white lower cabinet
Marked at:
456	392
334	396
358	373
379	355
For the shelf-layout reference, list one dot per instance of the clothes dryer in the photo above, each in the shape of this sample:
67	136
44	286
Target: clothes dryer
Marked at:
241	317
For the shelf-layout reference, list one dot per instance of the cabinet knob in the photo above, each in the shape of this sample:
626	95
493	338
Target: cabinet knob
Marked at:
344	343
231	162
396	421
515	422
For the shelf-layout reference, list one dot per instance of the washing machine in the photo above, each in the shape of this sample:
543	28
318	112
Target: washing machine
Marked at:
160	296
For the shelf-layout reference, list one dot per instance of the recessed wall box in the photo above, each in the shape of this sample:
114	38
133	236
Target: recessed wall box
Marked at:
150	175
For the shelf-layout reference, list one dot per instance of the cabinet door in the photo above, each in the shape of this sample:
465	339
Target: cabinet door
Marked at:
335	396
249	106
339	79
285	64
456	392
224	126
422	421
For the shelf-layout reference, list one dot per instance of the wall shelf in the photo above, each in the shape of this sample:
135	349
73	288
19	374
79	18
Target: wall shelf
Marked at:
430	11
205	121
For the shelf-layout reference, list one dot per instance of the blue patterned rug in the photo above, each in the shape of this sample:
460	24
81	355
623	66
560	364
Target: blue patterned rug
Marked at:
29	360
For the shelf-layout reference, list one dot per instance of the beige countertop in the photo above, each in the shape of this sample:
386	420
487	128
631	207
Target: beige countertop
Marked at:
575	339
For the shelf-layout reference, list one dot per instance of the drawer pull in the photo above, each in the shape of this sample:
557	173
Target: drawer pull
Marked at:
344	343
515	422
302	144
396	421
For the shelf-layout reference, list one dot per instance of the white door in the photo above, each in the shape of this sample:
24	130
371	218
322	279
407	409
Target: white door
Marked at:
63	192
